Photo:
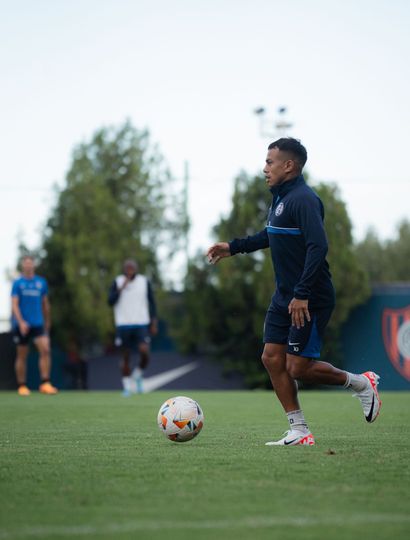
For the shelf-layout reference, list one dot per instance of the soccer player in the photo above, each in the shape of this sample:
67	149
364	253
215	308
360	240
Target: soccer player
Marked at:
304	297
132	297
31	321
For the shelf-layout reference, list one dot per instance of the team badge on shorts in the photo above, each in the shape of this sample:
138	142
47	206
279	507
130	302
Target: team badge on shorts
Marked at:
279	209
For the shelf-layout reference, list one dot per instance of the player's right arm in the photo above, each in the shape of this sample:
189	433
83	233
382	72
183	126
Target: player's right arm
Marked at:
115	291
218	251
249	244
23	326
45	304
152	308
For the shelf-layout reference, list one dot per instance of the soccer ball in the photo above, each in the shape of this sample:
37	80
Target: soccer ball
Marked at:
180	419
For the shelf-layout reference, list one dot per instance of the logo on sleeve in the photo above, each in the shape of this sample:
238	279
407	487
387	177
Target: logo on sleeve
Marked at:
279	209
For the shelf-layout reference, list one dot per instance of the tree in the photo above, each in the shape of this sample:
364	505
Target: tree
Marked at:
118	202
398	253
348	274
231	299
349	277
388	261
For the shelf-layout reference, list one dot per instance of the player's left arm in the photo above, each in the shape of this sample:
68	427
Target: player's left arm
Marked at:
309	216
46	312
45	305
152	306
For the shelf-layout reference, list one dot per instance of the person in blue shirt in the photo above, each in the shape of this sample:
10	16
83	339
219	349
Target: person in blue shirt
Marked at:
31	322
304	296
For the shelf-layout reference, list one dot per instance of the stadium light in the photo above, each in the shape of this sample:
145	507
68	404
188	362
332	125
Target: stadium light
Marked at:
276	127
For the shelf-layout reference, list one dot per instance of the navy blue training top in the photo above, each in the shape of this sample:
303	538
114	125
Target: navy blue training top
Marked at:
297	240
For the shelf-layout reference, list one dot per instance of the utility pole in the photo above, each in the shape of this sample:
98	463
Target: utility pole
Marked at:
186	213
276	127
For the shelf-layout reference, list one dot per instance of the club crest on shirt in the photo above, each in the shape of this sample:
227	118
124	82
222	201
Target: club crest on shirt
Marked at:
279	209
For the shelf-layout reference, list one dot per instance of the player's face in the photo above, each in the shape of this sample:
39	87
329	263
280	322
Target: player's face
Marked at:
27	265
130	270
276	168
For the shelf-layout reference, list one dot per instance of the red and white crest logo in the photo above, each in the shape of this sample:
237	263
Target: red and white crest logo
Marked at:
396	337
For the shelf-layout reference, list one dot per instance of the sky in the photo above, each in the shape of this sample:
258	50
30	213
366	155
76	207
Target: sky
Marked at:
192	72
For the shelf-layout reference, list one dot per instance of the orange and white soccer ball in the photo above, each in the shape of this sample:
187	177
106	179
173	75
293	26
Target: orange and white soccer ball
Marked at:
180	418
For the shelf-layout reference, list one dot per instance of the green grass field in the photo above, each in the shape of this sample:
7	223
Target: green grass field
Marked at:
94	465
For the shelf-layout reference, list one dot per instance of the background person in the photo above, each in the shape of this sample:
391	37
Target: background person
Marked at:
304	297
31	322
132	298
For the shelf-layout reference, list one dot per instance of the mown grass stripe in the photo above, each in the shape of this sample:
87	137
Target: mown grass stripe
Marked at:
258	522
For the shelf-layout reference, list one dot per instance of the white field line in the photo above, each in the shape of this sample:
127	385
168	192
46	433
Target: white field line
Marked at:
158	525
157	381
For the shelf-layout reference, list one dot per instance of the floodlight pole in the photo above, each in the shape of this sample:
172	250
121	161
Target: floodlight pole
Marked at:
273	128
186	214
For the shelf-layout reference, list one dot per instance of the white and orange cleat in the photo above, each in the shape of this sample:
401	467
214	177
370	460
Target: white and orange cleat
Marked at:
294	438
369	397
23	390
47	388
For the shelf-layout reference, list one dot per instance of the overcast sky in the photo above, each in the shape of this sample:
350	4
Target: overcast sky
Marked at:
192	72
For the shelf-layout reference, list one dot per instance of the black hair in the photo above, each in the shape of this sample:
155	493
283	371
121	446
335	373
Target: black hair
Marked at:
293	147
130	262
27	256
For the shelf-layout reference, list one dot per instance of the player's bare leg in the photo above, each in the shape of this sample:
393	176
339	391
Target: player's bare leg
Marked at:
143	349
125	366
364	385
138	373
274	360
21	363
44	363
125	363
21	370
314	371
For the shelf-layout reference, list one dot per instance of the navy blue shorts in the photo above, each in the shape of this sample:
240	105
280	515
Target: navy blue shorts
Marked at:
305	341
33	333
129	337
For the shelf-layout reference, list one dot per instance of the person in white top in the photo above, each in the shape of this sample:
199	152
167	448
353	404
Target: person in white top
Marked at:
135	317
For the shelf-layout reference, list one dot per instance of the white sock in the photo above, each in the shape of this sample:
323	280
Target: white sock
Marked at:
127	384
355	382
297	421
137	373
